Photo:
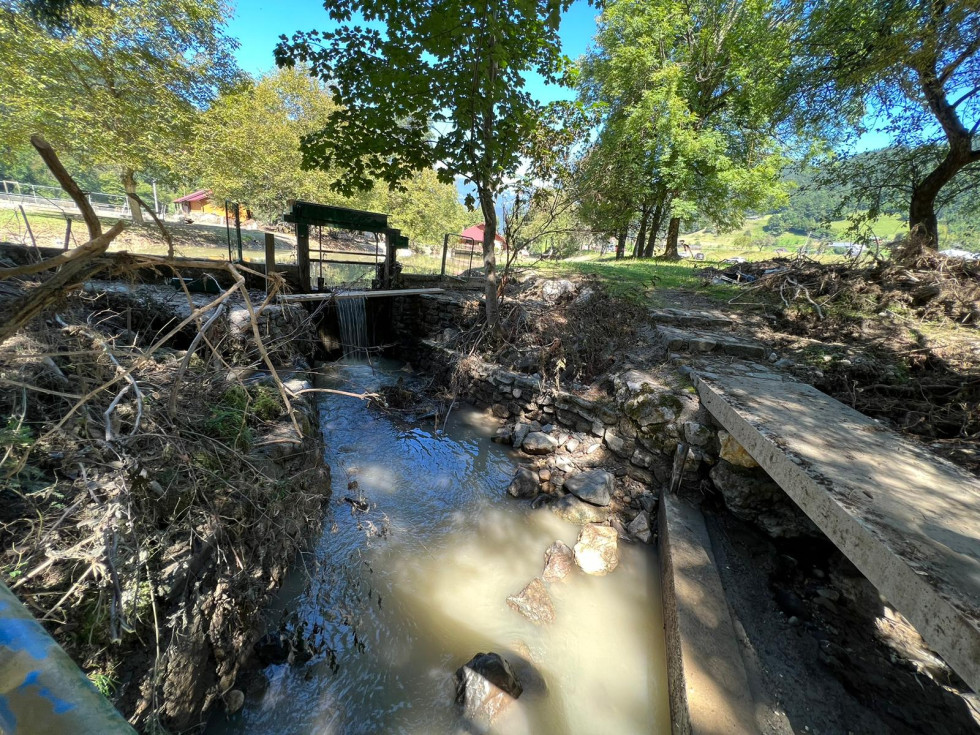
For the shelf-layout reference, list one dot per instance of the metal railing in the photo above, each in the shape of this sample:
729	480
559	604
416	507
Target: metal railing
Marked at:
38	196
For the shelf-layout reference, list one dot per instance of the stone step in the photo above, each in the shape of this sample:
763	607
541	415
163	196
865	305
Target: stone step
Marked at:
700	341
909	520
690	318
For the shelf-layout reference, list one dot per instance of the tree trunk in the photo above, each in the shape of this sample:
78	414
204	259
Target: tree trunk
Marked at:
641	236
487	205
620	245
129	184
658	218
673	230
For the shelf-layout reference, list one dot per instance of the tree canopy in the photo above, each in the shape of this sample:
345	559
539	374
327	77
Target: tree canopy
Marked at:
121	87
688	113
246	148
441	84
910	68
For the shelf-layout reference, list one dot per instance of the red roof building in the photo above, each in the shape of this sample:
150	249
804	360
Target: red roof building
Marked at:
194	202
475	232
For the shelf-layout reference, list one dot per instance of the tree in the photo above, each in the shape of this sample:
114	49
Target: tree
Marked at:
441	86
775	226
121	87
690	106
246	148
913	66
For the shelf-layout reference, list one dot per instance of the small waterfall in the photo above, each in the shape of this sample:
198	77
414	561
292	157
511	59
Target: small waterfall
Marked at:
352	317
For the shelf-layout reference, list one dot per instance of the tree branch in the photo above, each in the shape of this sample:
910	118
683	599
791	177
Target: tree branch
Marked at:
67	183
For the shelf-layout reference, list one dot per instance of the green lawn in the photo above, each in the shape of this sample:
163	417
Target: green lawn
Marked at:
193	241
885	228
641	280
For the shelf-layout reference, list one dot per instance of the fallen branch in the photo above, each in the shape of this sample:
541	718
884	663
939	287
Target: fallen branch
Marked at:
240	283
163	230
96	246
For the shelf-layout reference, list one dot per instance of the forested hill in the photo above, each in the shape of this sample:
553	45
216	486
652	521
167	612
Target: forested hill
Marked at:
818	197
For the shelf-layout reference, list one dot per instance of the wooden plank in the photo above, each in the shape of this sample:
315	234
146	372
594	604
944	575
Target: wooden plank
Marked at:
270	253
323	296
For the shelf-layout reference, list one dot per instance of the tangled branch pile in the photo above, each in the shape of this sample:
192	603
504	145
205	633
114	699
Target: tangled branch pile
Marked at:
935	288
566	332
153	498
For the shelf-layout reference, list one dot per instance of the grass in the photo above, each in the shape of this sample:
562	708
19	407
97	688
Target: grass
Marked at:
885	228
192	241
640	281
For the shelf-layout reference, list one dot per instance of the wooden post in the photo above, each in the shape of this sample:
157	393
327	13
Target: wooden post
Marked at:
270	257
30	232
67	231
270	253
445	250
303	256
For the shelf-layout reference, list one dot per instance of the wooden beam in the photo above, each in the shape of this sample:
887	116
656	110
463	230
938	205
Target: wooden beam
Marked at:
327	295
270	253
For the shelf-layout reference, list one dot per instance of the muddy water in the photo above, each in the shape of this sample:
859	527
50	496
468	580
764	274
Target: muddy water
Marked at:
395	598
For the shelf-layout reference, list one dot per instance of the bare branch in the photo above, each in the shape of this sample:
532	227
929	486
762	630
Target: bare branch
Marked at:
67	183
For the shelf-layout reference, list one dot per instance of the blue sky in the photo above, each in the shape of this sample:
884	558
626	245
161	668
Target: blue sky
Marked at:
257	24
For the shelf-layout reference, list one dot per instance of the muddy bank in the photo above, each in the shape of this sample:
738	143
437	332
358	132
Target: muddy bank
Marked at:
148	527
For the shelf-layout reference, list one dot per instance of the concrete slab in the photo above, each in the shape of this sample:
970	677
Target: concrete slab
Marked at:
909	520
690	318
708	686
699	341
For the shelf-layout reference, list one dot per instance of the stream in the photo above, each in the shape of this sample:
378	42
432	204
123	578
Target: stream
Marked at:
393	599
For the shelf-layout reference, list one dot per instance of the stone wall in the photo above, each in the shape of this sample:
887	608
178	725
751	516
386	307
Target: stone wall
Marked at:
635	430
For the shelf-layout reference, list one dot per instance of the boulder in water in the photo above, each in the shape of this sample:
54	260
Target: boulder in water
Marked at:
525	484
558	562
272	648
597	550
592	486
485	686
534	603
579	512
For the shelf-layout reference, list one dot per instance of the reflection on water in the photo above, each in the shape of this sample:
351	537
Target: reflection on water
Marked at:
401	595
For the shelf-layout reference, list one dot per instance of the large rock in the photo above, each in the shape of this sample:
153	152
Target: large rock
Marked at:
537	442
485	686
639	527
524	485
553	290
534	603
573	510
753	496
597	550
521	430
558	562
733	452
592	486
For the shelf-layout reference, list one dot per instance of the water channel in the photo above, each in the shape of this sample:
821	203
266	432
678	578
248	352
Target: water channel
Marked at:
395	598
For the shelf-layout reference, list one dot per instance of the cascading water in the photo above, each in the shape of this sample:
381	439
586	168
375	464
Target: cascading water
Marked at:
352	318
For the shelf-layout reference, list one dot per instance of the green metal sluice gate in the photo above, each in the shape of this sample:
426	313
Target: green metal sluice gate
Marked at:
317	264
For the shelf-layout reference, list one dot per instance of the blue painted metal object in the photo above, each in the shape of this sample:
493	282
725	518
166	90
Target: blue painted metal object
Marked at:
42	691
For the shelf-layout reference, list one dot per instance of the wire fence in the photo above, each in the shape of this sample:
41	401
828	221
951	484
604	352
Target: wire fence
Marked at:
53	198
